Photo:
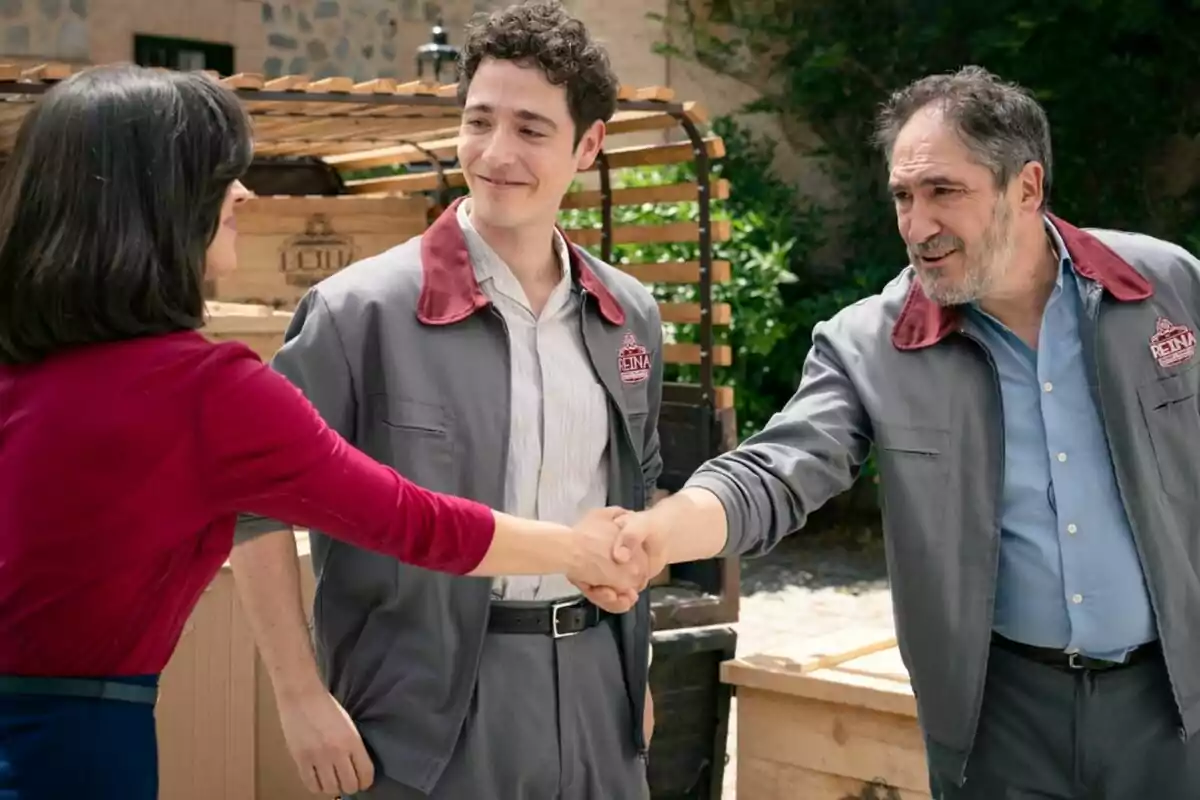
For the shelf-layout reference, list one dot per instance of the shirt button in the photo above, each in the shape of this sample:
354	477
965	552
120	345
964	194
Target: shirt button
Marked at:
1048	386
1071	529
1076	599
1062	456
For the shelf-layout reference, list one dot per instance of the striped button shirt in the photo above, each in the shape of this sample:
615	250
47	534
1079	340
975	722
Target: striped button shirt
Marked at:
559	425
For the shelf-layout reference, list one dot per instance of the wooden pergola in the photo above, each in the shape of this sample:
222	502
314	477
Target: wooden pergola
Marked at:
355	126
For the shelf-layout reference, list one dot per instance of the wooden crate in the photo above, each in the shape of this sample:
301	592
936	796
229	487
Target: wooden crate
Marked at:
261	328
217	723
288	244
837	721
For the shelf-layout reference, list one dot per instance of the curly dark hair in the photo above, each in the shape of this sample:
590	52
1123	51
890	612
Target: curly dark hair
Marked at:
543	33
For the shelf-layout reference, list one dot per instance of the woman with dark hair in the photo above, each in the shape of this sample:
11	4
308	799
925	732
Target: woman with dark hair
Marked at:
129	442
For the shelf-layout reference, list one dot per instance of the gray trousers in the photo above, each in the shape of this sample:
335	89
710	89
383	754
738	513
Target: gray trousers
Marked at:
1047	734
550	720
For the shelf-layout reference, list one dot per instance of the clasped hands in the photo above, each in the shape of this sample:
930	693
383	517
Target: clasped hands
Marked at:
619	554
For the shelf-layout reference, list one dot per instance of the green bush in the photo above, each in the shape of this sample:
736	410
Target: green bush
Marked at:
771	236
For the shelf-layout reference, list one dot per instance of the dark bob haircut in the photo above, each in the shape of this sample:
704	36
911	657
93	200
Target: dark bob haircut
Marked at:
108	205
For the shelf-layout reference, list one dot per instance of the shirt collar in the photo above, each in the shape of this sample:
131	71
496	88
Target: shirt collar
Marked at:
450	289
487	263
923	323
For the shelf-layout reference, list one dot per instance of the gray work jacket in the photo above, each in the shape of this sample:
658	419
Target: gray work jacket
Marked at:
406	358
901	373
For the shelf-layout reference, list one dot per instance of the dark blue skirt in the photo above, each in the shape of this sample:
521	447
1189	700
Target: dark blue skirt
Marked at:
59	747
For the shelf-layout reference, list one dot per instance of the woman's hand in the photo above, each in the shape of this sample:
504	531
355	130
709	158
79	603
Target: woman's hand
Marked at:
612	570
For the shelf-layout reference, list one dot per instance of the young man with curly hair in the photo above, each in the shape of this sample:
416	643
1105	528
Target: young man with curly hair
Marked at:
483	359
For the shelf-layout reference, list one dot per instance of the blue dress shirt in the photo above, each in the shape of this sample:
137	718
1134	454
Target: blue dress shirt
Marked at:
1070	576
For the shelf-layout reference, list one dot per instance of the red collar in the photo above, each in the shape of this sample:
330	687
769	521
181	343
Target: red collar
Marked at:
450	293
923	323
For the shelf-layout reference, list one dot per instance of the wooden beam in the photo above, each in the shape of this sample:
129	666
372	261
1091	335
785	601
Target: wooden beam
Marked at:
664	94
333	85
417	88
636	156
686	353
722	230
413	183
723	396
47	72
287	83
392	156
243	80
622	122
675	271
689	313
648	155
643	121
638	195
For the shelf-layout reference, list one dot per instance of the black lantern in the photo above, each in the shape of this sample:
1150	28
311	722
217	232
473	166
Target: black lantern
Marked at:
436	53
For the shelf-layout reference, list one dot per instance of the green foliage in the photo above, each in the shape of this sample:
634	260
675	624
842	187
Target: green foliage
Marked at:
1114	76
770	235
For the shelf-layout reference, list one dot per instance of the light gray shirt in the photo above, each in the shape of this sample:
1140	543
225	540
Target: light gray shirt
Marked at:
559	427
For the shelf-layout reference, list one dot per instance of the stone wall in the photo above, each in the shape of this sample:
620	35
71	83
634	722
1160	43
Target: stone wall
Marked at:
362	39
45	29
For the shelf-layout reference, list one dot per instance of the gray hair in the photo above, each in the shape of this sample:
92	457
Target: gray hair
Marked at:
1001	123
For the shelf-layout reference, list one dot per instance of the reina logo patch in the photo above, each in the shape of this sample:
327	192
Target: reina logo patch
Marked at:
1172	344
633	362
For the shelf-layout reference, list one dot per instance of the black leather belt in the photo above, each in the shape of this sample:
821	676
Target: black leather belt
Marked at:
1075	662
565	618
79	687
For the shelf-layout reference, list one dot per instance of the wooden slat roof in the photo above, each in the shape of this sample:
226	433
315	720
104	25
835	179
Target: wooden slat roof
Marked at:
338	118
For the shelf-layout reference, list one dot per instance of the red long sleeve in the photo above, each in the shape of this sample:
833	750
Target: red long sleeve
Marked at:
122	469
268	452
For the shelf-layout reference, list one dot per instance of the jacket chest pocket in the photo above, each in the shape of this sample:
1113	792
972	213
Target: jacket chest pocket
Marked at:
914	476
417	439
1172	411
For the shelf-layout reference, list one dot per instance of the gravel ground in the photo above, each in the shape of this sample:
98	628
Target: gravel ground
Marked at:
810	586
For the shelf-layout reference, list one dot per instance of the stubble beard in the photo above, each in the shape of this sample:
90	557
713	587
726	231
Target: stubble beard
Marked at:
985	264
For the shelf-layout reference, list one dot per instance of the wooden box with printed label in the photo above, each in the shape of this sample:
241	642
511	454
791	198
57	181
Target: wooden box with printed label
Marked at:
288	244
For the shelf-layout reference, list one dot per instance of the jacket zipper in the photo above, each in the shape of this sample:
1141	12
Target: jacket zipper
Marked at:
642	655
997	525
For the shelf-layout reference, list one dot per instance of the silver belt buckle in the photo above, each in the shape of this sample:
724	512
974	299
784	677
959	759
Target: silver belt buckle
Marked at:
1073	661
554	609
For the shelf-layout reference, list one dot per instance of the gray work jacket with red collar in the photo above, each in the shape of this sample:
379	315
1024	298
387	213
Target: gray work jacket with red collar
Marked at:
900	372
406	358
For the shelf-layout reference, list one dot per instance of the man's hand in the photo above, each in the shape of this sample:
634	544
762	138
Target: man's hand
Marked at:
325	744
617	567
636	539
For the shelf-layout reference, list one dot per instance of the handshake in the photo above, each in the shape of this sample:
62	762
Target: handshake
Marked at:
617	553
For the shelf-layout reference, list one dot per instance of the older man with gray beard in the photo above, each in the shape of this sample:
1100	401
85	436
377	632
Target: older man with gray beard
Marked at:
1031	391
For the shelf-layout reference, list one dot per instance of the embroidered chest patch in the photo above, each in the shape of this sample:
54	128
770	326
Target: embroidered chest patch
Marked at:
1172	344
633	362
